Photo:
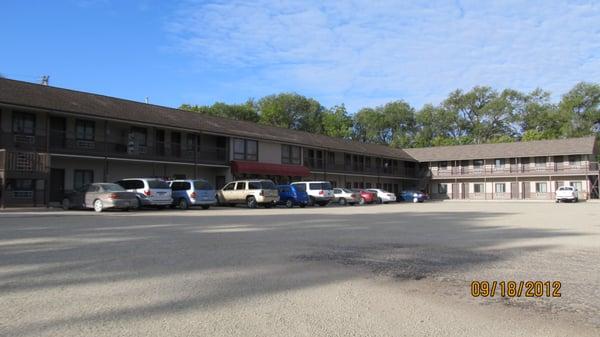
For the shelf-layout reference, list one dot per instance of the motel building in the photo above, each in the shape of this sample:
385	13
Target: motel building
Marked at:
56	140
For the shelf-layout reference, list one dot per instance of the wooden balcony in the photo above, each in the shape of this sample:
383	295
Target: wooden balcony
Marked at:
320	165
516	170
16	164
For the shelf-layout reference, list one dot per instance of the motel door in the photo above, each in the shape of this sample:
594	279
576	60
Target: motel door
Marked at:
455	192
57	184
514	190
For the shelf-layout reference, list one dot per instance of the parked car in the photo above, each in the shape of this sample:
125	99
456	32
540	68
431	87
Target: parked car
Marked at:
319	192
344	196
382	196
149	191
250	192
569	193
366	197
290	196
412	196
192	192
100	196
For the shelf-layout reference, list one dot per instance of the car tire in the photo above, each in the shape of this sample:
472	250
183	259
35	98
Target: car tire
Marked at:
576	200
379	201
98	207
183	204
362	201
311	201
302	205
342	202
251	202
66	204
205	206
323	203
289	204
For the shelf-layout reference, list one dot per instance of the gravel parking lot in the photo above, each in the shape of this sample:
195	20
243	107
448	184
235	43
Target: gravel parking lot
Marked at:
382	270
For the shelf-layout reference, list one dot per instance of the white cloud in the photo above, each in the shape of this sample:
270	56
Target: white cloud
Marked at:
365	53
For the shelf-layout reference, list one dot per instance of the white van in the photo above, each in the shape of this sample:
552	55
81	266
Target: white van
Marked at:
319	192
149	191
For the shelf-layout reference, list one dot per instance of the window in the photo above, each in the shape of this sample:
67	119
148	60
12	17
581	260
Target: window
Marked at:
477	188
540	161
541	188
85	130
443	165
478	163
300	187
229	187
190	142
442	188
499	163
290	154
180	186
254	185
159	184
176	144
319	186
82	177
575	160
244	149
240	186
24	123
576	184
160	142
367	163
131	184
500	188
138	135
202	185
331	159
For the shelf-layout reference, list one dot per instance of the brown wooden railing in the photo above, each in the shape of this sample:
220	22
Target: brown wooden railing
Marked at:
514	169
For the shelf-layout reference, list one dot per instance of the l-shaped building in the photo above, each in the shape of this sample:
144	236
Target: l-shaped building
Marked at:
55	140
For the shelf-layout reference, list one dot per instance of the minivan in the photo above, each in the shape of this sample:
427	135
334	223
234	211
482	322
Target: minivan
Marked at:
319	192
149	191
192	192
290	196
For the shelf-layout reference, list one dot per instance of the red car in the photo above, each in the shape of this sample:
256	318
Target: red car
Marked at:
366	197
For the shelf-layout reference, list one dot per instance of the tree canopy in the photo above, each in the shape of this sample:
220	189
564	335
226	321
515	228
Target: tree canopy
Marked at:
480	115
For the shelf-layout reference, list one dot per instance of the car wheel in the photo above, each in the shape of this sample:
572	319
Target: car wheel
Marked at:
205	206
98	207
251	202
323	203
66	204
183	204
311	201
289	204
302	205
379	201
362	201
342	202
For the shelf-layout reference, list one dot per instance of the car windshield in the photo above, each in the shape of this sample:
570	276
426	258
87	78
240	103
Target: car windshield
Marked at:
112	188
158	184
346	190
268	185
202	185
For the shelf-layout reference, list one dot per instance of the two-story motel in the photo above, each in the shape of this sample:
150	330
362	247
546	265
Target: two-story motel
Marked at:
55	140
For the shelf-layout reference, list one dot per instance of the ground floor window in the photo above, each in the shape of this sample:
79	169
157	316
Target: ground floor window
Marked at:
442	188
541	188
576	184
82	177
478	188
20	188
500	188
348	185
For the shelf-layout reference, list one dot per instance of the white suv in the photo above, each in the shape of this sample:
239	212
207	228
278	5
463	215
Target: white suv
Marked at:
567	193
149	191
249	192
319	192
383	197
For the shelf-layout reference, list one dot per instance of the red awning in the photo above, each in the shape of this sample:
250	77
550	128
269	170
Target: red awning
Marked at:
268	169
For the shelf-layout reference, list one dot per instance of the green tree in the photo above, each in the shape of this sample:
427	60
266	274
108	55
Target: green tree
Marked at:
337	122
245	112
581	106
292	111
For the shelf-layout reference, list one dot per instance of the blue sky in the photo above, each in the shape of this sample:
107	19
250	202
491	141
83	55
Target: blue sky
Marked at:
361	53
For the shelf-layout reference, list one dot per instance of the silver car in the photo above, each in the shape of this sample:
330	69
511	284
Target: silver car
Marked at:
100	196
344	196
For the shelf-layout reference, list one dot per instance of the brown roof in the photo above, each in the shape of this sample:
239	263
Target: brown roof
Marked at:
64	100
555	147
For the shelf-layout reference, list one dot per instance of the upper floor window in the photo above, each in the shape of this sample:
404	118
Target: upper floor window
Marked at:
443	165
191	141
499	163
23	123
574	160
540	161
478	163
290	154
138	135
84	130
245	149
